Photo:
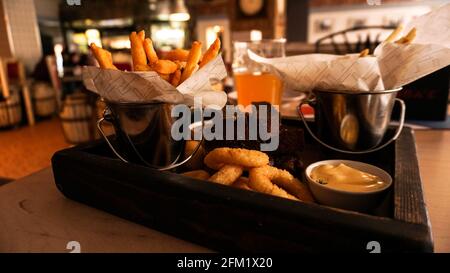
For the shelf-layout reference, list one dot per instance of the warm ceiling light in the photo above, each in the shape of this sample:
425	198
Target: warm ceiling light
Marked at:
179	12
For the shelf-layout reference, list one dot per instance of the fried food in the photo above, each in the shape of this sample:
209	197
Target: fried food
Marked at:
227	175
193	58
176	77
177	55
408	38
165	67
364	53
260	179
137	52
211	53
235	156
242	183
394	34
141	35
262	176
103	57
198	174
150	52
142	67
165	77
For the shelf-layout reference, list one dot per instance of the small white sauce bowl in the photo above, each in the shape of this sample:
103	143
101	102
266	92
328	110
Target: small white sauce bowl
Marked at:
350	200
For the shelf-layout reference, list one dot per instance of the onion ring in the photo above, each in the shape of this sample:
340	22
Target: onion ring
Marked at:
198	174
242	183
227	175
219	157
261	180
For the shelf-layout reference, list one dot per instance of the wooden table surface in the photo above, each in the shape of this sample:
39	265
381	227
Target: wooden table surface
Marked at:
35	217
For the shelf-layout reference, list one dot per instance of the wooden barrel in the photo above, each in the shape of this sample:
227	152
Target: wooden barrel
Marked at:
76	118
44	99
10	110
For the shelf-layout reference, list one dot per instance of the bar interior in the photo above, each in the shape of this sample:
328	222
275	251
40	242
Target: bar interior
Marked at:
224	126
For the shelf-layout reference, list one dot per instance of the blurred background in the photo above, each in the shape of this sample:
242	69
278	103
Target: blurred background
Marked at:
44	44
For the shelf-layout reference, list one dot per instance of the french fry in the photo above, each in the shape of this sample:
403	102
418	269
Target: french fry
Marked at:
165	67
181	65
103	57
142	67
165	77
364	53
211	53
194	57
141	35
408	38
150	51
177	55
176	77
137	52
394	34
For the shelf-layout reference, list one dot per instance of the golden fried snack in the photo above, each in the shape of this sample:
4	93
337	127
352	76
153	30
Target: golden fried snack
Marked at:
227	175
141	35
211	53
408	38
194	57
165	67
165	77
142	67
260	180
198	174
286	181
177	55
394	34
181	65
137	52
364	53
303	193
176	77
103	57
150	52
235	156
242	183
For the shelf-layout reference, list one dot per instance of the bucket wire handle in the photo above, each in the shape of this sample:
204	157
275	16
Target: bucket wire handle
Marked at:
165	168
396	135
99	126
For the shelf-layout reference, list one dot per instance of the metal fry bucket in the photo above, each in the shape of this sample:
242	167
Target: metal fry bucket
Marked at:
143	134
353	122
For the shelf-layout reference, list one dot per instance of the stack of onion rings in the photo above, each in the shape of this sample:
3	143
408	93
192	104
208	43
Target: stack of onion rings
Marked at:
230	164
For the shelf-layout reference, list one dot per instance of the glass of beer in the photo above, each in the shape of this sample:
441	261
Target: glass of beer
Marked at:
254	82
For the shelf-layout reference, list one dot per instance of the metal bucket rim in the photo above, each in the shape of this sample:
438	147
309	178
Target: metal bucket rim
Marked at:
380	92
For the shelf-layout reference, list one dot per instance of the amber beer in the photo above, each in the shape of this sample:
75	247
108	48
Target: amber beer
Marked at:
258	87
253	81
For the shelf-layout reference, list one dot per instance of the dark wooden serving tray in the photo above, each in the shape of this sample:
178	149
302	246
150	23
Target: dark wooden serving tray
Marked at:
228	219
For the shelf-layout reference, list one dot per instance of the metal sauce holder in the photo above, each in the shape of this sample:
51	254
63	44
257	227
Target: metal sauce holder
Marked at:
356	122
143	133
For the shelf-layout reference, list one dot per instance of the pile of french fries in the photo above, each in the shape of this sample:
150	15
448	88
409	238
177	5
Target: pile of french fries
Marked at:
407	39
175	68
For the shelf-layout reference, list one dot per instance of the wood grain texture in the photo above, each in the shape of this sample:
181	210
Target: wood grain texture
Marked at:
433	147
182	207
28	149
408	196
35	217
